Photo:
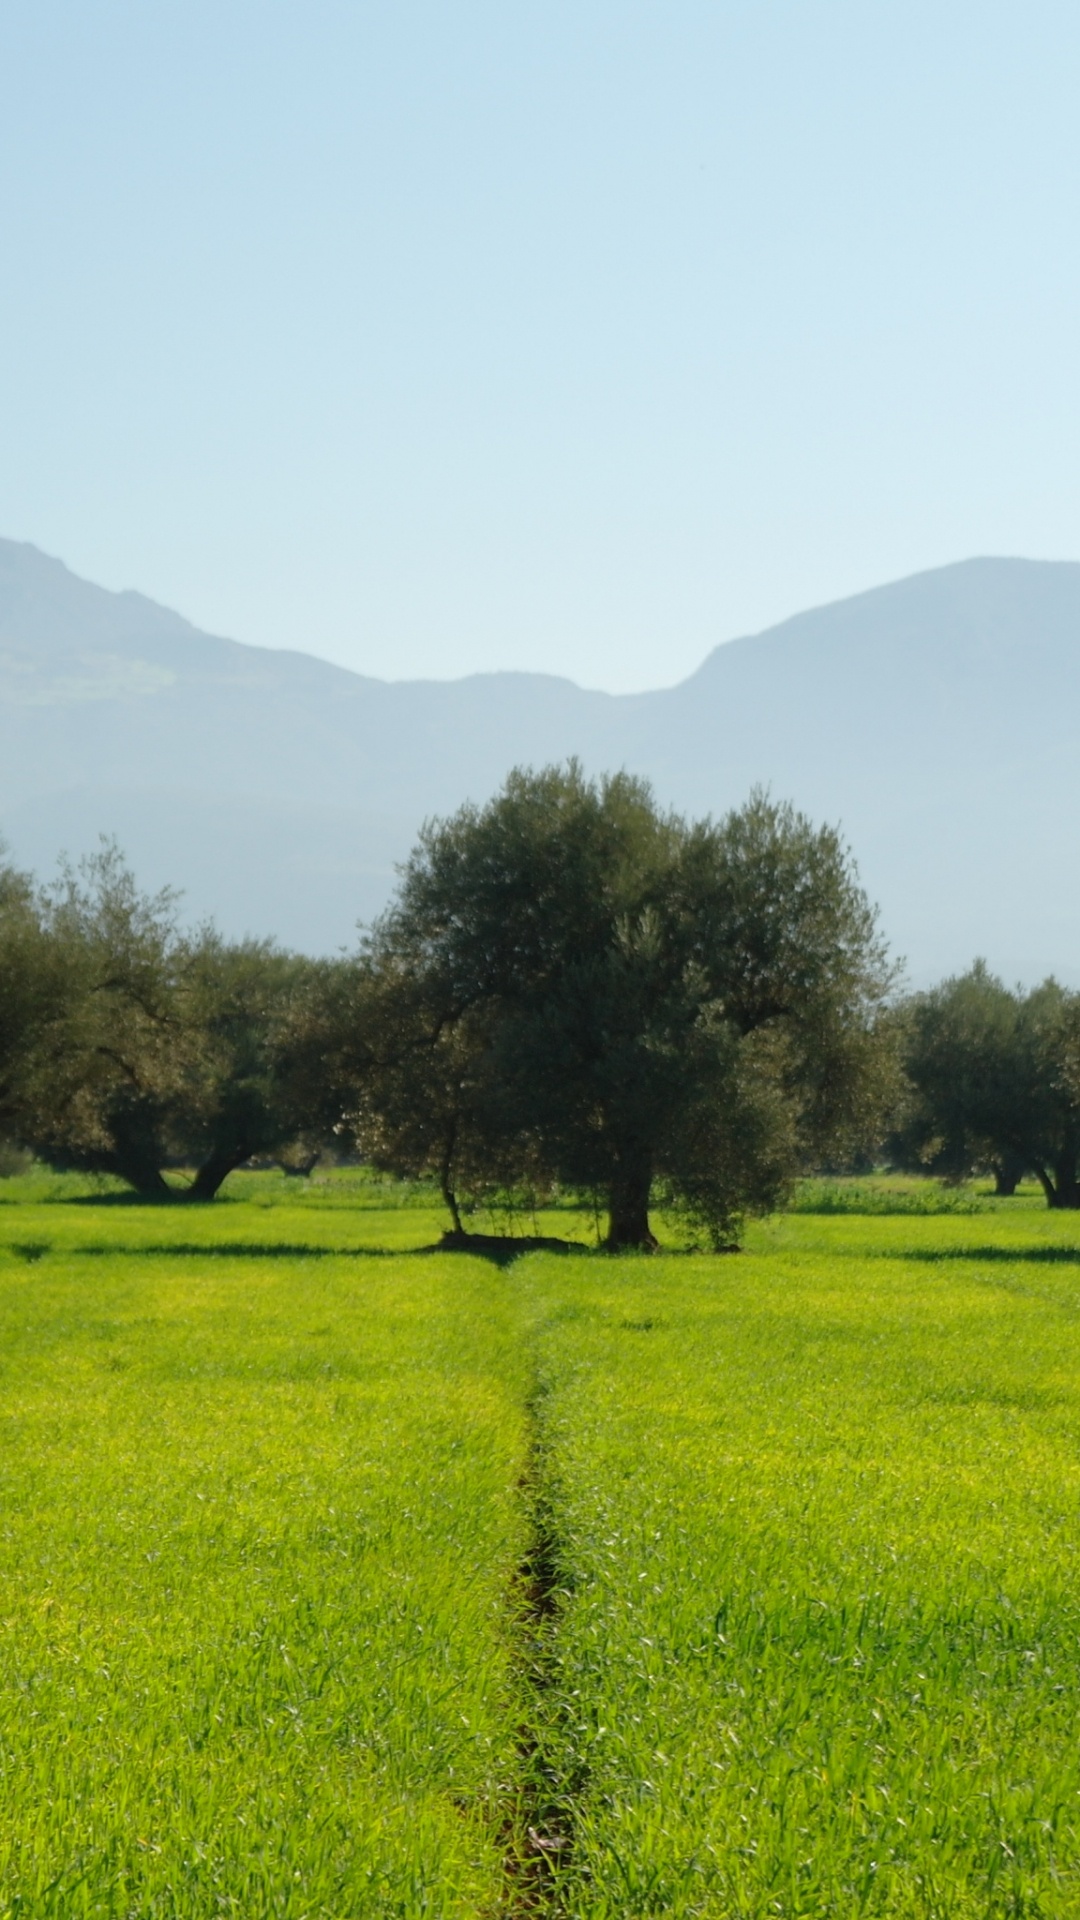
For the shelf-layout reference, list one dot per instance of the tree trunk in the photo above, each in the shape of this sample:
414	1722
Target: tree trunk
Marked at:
450	1198
1062	1187
628	1214
1066	1181
147	1179
214	1171
1046	1184
1008	1173
445	1176
136	1155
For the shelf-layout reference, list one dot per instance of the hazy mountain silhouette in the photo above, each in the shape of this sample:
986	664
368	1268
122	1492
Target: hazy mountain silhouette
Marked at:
935	719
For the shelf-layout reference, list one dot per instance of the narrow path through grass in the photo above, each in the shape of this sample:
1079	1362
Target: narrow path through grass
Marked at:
540	1827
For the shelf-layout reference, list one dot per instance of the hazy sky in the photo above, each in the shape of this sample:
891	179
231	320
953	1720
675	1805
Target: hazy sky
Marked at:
575	336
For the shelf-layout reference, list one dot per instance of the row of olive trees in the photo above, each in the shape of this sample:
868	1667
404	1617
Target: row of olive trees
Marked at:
129	1045
992	1084
572	989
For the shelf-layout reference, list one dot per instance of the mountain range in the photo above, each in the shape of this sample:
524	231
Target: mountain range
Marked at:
935	720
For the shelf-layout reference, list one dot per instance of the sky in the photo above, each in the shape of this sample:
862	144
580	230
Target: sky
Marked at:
573	337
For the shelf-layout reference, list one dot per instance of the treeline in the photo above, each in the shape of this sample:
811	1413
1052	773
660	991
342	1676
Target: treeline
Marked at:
571	991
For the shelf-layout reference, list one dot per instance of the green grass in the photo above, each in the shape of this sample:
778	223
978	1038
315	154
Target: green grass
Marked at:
907	1194
267	1475
884	1195
259	1520
818	1512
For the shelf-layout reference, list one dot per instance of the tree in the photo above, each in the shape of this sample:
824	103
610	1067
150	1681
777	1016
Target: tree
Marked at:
574	986
240	1004
969	1107
1050	1042
320	1058
112	1067
34	988
994	1083
166	1048
425	1102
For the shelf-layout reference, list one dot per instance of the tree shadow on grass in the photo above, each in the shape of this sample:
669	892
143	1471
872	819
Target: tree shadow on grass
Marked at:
237	1250
1006	1256
177	1196
503	1248
499	1249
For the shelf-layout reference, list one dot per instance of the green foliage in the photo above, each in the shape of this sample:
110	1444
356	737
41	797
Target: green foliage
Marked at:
243	1004
572	991
966	1109
1050	1042
35	984
112	1068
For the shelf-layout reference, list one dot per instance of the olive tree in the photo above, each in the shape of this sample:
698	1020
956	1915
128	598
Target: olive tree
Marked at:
35	988
968	1106
112	1067
572	984
243	1006
167	1047
994	1083
1050	1044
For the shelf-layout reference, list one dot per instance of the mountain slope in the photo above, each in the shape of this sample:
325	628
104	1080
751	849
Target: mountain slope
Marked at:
933	718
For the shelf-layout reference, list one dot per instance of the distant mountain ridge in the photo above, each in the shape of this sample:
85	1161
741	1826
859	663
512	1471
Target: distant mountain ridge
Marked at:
935	719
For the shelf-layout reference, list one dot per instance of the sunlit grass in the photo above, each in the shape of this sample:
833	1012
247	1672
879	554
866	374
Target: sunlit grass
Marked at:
903	1193
815	1511
819	1525
259	1519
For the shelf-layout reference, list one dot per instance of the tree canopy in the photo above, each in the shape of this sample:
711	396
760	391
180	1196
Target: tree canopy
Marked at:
573	986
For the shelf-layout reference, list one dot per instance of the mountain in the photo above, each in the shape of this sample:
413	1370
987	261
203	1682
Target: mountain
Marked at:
934	719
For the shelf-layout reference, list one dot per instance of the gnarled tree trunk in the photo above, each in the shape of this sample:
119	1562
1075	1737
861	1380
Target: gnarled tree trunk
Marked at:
136	1157
446	1178
1062	1185
1067	1180
628	1212
147	1179
215	1170
1008	1171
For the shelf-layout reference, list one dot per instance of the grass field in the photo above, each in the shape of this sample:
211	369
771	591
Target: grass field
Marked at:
259	1521
810	1514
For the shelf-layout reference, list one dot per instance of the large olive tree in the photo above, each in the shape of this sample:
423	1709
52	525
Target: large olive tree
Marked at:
574	984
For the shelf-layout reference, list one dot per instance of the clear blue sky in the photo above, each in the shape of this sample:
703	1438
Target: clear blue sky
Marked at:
575	336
